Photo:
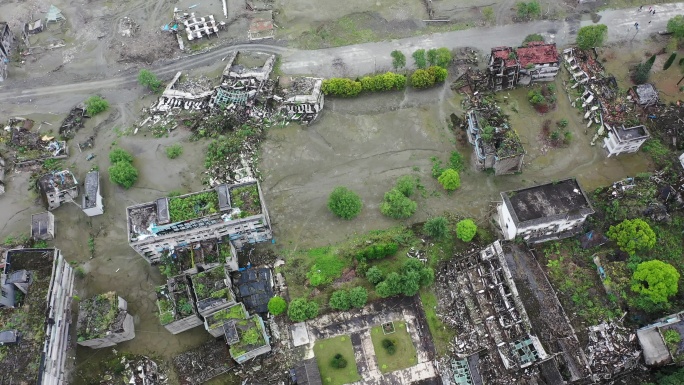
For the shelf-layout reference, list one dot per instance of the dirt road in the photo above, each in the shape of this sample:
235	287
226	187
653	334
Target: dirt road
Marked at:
360	59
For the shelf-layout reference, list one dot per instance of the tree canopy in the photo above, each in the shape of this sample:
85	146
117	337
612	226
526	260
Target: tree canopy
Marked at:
95	105
120	155
358	296
301	310
591	36
450	179
440	57
632	235
656	280
676	26
123	174
344	203
437	227
339	300
398	59
277	305
466	230
406	184
148	79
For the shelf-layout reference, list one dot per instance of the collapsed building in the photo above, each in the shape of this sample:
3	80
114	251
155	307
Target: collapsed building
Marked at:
614	113
6	40
235	215
35	307
508	67
57	187
103	321
545	212
497	146
43	226
29	147
511	328
92	200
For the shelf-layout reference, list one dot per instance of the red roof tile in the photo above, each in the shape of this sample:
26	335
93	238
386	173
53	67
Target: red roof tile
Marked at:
537	52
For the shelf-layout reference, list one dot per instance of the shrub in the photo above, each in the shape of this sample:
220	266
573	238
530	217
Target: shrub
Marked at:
450	179
676	26
123	174
389	346
341	87
392	285
531	38
385	82
466	230
344	203
374	275
642	71
632	235
439	74
670	60
277	305
591	36
377	251
398	59
440	57
530	10
80	272
338	362
456	161
406	184
397	205
301	310
148	79
419	58
120	155
95	105
173	152
562	123
655	280
437	227
358	296
422	79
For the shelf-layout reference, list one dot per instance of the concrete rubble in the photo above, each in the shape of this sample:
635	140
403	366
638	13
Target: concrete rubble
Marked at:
25	146
612	350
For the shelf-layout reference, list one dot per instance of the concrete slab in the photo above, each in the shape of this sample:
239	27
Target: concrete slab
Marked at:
299	334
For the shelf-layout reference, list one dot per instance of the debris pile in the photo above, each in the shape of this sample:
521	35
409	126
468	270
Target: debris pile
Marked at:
611	350
73	122
26	146
127	27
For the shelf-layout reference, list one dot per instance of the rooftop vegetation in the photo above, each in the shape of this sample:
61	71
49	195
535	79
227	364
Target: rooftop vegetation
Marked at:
251	337
211	284
246	198
96	316
220	317
193	206
174	304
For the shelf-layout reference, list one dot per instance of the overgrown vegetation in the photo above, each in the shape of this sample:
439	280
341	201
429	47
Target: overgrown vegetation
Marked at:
122	171
543	98
437	227
148	79
174	151
528	11
301	310
591	36
193	206
531	38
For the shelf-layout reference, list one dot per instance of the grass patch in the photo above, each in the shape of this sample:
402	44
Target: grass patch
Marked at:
325	350
441	333
405	355
344	31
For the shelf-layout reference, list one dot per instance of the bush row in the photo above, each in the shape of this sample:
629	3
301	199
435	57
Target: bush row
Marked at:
377	251
388	81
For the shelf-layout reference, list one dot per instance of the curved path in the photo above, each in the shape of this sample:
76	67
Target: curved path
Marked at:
367	58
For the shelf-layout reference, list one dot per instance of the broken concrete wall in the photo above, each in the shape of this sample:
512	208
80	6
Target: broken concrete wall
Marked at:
2	175
509	165
119	330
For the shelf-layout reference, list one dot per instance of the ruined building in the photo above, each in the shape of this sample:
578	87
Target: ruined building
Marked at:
301	97
103	321
92	200
541	213
37	288
658	350
6	40
508	67
43	226
57	187
625	140
644	95
232	214
497	146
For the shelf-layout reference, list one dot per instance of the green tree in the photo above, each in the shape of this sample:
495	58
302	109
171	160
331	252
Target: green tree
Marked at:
466	230
339	300
655	280
397	205
437	227
670	60
358	296
643	70
277	305
96	104
591	36
120	155
439	74
676	26
456	161
174	151
123	174
344	203
301	310
422	79
531	38
450	179
341	87
398	59
410	283
676	378
427	276
632	235
440	57
338	362
374	275
148	79
419	58
526	11
406	184
392	285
